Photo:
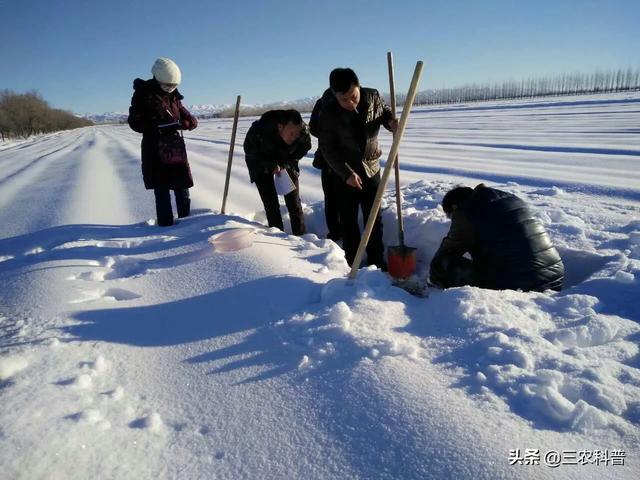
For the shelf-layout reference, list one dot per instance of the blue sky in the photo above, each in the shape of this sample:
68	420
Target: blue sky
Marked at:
83	55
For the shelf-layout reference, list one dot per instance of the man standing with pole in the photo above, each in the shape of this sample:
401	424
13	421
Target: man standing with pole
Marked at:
399	132
349	121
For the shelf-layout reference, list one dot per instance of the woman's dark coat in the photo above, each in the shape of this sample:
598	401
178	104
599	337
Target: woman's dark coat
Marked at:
151	107
510	248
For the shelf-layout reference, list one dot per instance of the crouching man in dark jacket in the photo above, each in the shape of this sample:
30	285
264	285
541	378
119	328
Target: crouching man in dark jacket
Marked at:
509	247
273	146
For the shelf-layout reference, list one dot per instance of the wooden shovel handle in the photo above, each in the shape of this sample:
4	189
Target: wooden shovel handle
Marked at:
396	161
417	73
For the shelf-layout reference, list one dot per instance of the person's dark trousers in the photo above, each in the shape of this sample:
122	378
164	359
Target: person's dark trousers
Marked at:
351	199
269	197
331	189
164	211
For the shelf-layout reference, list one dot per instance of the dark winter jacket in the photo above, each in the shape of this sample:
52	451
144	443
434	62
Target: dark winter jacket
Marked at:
318	160
150	107
264	148
509	247
349	140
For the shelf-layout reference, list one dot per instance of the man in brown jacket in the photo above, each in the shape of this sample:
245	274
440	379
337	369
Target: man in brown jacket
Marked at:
349	122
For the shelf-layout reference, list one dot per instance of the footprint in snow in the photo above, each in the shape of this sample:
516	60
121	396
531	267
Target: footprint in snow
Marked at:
92	417
81	382
152	423
90	369
116	394
113	268
117	243
111	294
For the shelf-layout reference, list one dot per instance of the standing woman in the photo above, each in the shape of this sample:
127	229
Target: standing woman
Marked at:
156	111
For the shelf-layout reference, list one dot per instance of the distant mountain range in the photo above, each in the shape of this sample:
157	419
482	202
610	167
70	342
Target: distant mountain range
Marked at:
214	111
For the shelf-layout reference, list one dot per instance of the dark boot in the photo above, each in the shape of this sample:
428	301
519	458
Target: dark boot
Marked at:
164	213
183	202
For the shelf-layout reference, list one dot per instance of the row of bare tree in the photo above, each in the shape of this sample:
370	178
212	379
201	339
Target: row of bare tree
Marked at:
566	84
619	80
26	114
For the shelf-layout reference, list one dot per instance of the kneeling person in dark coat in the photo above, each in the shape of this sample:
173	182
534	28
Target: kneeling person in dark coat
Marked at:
273	146
509	247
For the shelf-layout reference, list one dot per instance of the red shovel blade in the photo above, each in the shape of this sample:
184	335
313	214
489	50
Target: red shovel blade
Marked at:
401	261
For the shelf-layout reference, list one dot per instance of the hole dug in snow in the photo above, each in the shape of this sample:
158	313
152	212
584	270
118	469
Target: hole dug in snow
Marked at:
579	265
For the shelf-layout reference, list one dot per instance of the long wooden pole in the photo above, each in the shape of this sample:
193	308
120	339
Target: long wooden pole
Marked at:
417	73
230	161
396	162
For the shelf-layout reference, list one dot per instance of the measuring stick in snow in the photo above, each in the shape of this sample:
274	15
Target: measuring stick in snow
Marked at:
233	142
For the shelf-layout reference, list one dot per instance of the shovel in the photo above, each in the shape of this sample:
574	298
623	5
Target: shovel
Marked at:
401	260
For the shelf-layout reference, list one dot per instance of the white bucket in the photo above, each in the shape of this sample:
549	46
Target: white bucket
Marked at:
232	240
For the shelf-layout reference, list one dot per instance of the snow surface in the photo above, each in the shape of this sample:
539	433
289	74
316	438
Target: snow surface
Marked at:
133	351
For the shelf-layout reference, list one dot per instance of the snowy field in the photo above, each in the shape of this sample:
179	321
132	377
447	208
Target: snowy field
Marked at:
133	351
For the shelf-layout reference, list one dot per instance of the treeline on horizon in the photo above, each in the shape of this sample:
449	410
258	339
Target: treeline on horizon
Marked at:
566	84
25	114
619	80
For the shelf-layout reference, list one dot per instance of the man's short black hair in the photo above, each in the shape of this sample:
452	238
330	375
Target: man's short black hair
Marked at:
341	79
455	196
290	116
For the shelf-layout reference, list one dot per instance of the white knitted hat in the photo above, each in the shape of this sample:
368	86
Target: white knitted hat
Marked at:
166	71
